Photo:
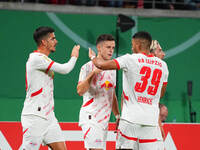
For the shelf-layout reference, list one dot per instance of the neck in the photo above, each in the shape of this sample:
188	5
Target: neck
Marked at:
99	56
145	51
43	50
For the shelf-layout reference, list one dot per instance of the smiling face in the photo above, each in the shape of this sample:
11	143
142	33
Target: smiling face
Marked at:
106	49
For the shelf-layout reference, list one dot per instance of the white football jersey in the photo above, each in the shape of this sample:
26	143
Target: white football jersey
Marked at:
143	78
39	83
97	101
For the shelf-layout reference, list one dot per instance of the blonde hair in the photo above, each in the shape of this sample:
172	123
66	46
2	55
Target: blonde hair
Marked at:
154	45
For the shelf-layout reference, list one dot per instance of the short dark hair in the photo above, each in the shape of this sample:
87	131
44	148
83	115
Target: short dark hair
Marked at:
144	36
161	105
104	37
40	33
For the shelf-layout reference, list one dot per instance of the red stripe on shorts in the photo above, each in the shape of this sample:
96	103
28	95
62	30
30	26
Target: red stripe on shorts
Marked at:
86	133
147	140
127	137
25	131
37	92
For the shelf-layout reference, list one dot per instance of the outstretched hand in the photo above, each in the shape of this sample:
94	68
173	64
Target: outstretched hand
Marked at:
91	53
75	51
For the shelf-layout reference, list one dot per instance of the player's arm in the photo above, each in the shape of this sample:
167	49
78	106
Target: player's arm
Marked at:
102	64
45	64
84	85
161	128
164	87
67	67
115	106
115	110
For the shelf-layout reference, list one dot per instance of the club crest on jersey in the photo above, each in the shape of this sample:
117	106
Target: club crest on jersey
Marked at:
107	85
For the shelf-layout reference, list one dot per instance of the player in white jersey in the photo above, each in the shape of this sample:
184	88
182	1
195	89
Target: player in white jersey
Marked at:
144	82
98	90
157	51
38	120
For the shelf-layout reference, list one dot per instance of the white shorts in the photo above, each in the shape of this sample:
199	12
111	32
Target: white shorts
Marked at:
37	131
160	139
94	136
160	145
131	136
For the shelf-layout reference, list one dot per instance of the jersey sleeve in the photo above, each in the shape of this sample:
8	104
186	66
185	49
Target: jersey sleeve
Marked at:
122	61
166	74
114	77
42	63
64	68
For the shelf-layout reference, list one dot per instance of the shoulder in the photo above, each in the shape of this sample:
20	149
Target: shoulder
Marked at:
87	65
38	57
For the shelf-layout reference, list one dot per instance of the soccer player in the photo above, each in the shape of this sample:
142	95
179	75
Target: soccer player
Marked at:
38	120
98	90
157	51
144	82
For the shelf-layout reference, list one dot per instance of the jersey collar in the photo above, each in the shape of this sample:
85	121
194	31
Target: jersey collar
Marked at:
150	55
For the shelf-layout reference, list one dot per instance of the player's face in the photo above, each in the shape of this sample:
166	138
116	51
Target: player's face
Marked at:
51	42
106	49
159	52
163	113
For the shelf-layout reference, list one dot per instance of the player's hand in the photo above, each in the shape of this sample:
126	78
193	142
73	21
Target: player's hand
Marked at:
91	53
97	71
75	51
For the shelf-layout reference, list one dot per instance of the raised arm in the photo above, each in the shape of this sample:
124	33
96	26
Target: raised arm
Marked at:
67	67
100	63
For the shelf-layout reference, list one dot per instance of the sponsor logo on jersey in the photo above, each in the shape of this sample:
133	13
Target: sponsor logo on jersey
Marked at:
107	85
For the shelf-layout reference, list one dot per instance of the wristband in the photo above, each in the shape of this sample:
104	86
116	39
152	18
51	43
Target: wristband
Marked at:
92	57
117	116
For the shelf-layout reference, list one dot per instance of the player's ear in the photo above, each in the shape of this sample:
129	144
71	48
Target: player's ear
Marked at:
99	47
43	42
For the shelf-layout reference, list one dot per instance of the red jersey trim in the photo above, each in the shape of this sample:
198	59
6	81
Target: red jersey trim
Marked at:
37	92
165	83
125	96
127	137
147	140
86	133
88	102
49	67
25	131
150	55
35	51
118	66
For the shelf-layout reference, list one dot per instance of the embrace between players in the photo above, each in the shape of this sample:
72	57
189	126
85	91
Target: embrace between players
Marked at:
144	83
